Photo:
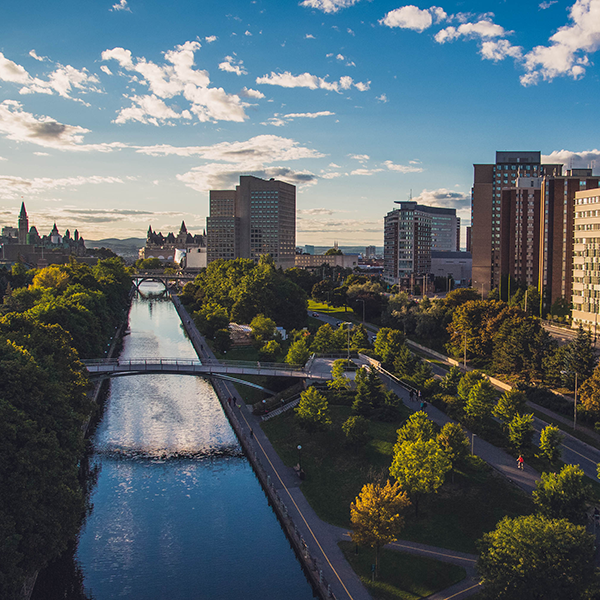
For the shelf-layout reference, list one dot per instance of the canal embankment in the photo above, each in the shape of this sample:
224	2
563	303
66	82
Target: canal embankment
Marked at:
323	563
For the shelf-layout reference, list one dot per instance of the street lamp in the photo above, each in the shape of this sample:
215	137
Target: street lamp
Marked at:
299	457
575	403
349	324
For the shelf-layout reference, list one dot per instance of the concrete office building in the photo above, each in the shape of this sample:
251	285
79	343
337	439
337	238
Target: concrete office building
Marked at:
258	217
586	259
411	232
522	222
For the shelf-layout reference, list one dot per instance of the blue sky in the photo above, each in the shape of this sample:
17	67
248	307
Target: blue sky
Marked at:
114	117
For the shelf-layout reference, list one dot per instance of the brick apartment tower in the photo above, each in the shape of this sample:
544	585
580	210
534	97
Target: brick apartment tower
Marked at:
522	222
258	217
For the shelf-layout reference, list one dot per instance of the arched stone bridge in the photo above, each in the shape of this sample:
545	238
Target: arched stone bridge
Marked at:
168	281
101	368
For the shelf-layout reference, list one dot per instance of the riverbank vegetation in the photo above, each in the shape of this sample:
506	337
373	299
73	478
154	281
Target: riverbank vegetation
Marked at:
50	318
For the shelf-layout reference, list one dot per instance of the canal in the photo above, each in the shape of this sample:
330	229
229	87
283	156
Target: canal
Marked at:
178	513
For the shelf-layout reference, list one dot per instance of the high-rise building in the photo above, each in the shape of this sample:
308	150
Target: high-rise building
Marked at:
522	222
411	232
370	252
258	217
586	259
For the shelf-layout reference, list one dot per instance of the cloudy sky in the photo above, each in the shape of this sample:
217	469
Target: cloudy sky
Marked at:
114	117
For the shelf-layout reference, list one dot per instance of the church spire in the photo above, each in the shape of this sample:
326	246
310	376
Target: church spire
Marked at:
23	225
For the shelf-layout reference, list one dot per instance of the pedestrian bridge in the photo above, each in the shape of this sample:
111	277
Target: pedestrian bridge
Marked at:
100	368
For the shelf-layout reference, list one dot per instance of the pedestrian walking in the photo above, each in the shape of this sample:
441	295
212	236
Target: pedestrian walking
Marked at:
411	395
422	405
520	462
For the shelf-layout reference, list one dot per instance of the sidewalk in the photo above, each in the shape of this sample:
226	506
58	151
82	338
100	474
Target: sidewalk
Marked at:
321	538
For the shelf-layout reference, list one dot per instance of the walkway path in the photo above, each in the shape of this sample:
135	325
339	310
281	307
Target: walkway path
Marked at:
322	538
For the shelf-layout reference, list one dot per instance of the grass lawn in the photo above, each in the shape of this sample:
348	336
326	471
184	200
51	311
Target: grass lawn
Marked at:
453	518
342	313
401	576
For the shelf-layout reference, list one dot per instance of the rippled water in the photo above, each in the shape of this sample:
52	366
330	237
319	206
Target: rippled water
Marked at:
178	512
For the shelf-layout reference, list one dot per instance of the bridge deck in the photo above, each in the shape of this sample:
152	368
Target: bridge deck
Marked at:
196	367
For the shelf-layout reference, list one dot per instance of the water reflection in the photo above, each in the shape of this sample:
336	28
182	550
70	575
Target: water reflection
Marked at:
177	511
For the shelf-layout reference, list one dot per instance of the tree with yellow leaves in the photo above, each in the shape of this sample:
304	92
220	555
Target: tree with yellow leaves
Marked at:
375	515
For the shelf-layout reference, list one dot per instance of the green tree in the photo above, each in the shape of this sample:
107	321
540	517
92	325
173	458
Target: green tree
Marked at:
420	467
356	430
324	340
312	411
362	404
480	402
270	352
550	440
405	362
222	340
509	405
536	558
210	318
263	329
450	382
388	343
417	427
520	433
467	381
298	353
376	516
453	441
563	495
334	252
589	394
339	381
359	339
580	358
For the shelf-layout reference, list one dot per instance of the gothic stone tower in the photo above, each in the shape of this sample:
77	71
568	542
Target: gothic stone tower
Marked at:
23	225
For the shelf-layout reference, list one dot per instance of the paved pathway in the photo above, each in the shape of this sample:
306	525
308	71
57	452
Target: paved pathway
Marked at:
322	538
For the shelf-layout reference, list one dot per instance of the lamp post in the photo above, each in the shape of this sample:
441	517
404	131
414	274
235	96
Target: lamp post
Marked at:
575	403
348	323
299	456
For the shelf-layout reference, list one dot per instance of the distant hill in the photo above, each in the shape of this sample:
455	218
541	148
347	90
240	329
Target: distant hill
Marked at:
127	248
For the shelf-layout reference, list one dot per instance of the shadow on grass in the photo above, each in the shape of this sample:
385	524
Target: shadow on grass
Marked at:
401	576
454	518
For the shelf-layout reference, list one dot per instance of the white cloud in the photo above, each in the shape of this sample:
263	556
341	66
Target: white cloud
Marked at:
279	120
41	154
250	93
412	17
229	66
366	172
248	33
122	5
359	157
383	98
339	226
210	39
444	198
179	78
312	82
483	30
150	109
499	49
548	4
309	36
340	57
314	211
21	126
105	69
13	187
33	54
249	154
403	168
63	80
2	158
567	54
218	176
582	159
328	6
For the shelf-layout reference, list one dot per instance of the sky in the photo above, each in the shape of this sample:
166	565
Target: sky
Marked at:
114	117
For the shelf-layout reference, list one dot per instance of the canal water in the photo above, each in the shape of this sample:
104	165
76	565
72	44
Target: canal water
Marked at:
178	513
